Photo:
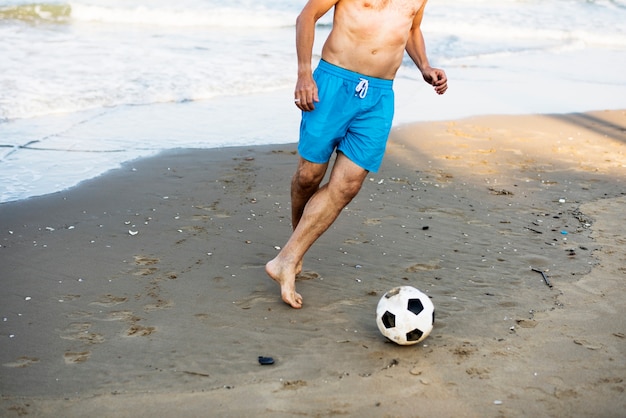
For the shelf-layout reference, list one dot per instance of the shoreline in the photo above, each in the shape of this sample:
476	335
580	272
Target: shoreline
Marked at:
146	291
78	139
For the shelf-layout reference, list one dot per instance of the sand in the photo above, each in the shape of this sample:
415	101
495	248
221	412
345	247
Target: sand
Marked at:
142	292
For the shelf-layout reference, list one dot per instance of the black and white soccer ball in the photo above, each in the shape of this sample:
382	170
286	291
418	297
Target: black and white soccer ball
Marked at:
405	315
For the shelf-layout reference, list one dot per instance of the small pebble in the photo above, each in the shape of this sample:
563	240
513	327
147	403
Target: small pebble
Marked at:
415	371
266	361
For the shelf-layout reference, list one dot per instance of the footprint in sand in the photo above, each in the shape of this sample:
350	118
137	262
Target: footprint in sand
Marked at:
588	345
22	362
109	300
480	372
257	297
526	323
146	271
68	298
79	315
422	267
213	208
72	357
360	239
294	384
144	260
118	316
464	350
139	331
78	331
307	275
159	304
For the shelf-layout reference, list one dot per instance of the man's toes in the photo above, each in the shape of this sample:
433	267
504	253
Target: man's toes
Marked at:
293	299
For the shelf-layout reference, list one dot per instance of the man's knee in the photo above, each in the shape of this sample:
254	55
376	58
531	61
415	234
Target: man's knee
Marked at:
309	175
345	189
347	178
350	188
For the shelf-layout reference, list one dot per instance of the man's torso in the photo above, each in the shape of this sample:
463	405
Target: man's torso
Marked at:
369	36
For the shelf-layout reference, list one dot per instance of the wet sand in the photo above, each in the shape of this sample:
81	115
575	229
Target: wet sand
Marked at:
142	292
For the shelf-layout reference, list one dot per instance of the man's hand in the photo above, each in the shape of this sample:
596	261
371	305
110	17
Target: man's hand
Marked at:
437	78
305	95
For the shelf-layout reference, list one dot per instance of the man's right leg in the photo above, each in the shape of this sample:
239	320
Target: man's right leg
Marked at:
319	213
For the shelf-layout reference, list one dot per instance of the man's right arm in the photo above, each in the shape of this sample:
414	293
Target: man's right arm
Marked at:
305	94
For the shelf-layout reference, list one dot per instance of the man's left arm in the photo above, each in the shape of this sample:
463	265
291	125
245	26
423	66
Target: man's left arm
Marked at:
416	48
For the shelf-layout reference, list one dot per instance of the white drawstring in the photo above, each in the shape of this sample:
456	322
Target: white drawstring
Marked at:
361	88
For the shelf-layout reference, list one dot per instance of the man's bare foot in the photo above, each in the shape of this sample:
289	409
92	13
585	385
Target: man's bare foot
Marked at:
287	282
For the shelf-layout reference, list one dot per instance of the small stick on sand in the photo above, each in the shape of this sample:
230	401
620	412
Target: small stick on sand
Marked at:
545	278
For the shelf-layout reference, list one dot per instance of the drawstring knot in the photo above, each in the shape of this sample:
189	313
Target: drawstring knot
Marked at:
361	88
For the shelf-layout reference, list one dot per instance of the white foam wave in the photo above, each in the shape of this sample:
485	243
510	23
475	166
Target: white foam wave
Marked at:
511	34
220	17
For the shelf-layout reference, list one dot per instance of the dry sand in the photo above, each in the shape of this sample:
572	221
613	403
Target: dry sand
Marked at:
142	292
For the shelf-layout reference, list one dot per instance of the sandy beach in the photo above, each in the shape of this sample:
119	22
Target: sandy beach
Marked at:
142	292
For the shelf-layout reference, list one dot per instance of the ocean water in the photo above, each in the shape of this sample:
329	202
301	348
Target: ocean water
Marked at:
86	85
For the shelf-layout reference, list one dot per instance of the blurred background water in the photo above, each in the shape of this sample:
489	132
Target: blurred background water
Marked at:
88	84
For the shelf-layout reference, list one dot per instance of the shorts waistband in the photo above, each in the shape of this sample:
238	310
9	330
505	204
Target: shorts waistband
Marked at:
353	76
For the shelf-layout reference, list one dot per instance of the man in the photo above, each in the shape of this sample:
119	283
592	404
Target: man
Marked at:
350	113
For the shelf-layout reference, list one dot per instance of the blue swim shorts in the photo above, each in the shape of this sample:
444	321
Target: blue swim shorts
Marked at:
353	116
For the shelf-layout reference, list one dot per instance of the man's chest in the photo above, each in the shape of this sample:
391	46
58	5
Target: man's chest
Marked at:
404	7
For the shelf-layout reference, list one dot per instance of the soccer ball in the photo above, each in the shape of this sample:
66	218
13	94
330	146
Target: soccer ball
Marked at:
405	315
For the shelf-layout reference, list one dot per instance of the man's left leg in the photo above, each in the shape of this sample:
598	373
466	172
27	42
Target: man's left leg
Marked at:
304	184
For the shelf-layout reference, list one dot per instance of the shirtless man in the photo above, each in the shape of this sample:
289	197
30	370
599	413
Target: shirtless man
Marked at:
350	113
